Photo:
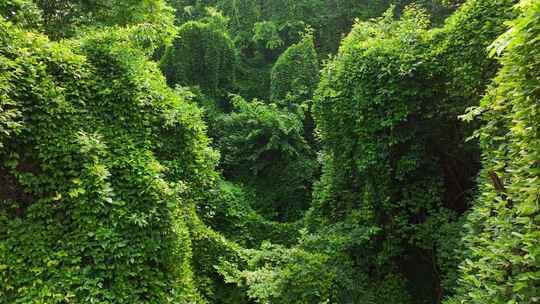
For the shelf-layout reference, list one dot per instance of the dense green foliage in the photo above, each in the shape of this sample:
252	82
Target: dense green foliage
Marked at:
66	18
201	55
25	13
383	111
263	147
94	200
501	264
248	151
277	23
262	30
295	74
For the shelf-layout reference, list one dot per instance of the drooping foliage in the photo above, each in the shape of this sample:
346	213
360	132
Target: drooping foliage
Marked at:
282	20
201	55
294	86
374	155
262	30
293	89
263	147
501	264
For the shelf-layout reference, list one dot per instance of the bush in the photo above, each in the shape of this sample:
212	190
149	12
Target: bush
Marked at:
263	147
201	55
104	161
501	264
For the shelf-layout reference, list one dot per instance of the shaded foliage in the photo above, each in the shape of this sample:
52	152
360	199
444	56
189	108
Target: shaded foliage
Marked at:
384	110
262	30
263	147
201	55
384	113
24	13
66	18
295	74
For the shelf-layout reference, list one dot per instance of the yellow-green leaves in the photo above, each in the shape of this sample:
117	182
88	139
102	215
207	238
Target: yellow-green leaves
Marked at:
102	159
503	226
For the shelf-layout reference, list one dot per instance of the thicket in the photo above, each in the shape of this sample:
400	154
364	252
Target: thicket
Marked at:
263	30
101	163
292	87
264	148
218	151
397	172
500	264
92	198
203	55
